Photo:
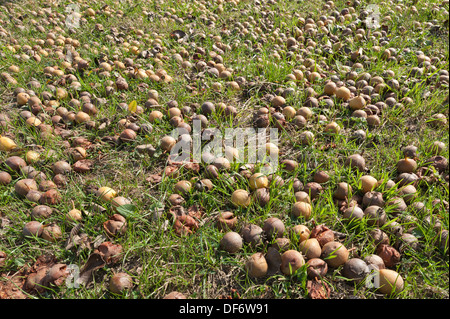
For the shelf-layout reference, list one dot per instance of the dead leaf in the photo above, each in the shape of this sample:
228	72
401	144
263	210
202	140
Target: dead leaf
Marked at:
171	171
438	162
327	146
46	272
111	252
81	142
80	241
193	167
154	178
83	166
185	225
116	225
11	286
190	166
322	233
317	289
107	253
177	211
94	262
196	211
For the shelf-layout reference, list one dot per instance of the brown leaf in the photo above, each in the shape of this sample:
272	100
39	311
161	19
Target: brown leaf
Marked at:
45	272
193	167
81	241
171	171
327	146
107	253
94	262
438	162
35	280
81	142
226	221
50	197
115	225
318	289
185	225
177	211
56	275
142	87
63	133
154	178
111	252
83	166
11	286
196	211
389	254
323	234
190	166
44	261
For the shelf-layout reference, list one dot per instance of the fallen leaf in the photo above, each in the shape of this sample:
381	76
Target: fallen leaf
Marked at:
94	262
177	211
132	107
107	253
111	252
196	211
185	225
82	166
154	178
318	289
46	272
80	241
116	225
11	286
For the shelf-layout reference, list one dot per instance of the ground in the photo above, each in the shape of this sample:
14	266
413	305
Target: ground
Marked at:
244	57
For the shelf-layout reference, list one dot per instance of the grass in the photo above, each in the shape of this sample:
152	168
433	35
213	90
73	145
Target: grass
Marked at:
160	261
